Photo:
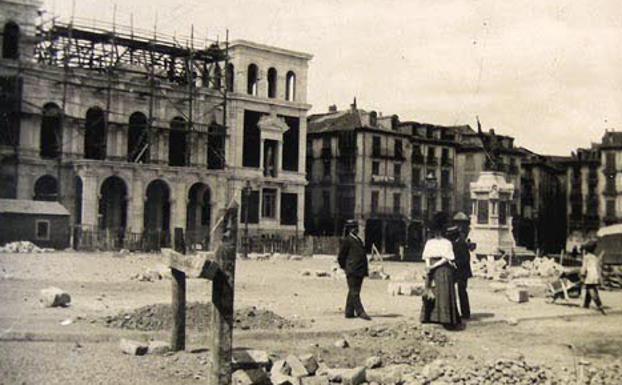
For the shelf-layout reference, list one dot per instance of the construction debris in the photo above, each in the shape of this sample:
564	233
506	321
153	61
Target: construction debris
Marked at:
498	269
54	297
133	348
23	247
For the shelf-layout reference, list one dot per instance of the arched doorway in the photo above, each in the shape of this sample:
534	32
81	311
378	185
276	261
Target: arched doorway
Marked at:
157	214
95	134
46	189
51	136
198	215
137	149
113	205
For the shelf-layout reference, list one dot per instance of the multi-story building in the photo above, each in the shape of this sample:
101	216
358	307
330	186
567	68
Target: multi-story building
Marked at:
358	168
542	224
137	135
610	210
472	159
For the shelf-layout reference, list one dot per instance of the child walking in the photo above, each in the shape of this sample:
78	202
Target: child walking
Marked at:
591	271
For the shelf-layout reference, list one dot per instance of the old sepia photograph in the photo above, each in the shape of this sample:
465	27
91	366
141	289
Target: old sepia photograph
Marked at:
298	192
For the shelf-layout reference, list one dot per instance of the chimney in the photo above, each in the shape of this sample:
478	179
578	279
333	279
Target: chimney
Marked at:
332	108
353	105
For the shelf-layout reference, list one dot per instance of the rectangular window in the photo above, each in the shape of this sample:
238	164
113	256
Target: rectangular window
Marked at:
416	206
397	203
375	195
611	208
482	212
291	144
251	140
397	172
375	168
42	229
446	204
445	179
326	167
375	149
398	148
503	212
268	209
610	160
252	202
289	208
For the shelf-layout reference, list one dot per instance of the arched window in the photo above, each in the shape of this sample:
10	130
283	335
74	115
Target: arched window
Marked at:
10	41
177	143
51	137
272	83
95	134
46	189
290	86
217	78
138	139
253	75
230	75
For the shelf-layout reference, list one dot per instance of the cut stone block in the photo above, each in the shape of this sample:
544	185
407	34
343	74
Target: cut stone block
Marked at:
158	347
249	358
390	375
346	376
373	362
314	380
53	297
280	367
134	348
298	368
281	379
250	377
309	362
517	295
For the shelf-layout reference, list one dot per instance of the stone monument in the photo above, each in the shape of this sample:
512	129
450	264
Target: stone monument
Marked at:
491	220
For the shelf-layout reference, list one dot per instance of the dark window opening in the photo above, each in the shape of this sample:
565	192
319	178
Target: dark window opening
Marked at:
445	179
251	141
10	41
95	135
416	177
77	200
611	208
269	158
113	204
216	148
416	206
217	77
397	172
290	86
482	211
51	137
291	144
397	203
10	99
375	196
289	208
326	201
46	189
446	204
138	139
375	148
198	215
397	149
327	164
157	214
375	168
178	143
272	83
230	76
42	230
503	212
268	207
250	203
252	80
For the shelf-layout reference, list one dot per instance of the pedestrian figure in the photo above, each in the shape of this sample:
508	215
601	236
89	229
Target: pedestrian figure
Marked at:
353	260
440	268
591	272
462	253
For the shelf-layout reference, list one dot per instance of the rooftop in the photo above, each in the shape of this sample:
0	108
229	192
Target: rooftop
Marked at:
23	206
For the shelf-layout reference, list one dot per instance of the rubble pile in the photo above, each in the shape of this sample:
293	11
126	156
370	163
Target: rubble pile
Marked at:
160	317
498	269
157	273
612	277
376	271
591	375
23	247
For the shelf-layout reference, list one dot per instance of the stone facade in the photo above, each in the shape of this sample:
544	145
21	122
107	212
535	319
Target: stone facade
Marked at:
193	163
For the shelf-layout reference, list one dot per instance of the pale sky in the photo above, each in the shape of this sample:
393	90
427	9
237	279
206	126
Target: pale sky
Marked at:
547	72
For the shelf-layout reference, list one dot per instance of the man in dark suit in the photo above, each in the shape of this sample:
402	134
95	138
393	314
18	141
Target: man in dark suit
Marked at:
353	260
462	252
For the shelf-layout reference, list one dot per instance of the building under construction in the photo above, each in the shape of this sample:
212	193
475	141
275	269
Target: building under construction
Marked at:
136	133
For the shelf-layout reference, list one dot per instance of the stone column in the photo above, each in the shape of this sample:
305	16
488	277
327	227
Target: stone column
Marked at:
89	200
261	153
136	205
178	204
279	157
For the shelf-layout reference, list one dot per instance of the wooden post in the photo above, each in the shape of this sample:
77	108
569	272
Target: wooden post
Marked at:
178	338
221	318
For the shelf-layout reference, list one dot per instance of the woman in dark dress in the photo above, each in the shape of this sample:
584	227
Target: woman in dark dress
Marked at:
440	267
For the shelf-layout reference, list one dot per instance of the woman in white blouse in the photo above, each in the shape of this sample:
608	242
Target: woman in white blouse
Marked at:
438	255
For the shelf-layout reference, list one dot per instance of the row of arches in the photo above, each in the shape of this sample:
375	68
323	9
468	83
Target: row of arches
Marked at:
95	136
252	82
113	200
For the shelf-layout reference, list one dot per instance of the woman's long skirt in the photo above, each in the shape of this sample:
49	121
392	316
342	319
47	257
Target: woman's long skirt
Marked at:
443	309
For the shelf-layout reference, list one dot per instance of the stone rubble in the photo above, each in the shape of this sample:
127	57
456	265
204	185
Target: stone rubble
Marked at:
23	247
54	297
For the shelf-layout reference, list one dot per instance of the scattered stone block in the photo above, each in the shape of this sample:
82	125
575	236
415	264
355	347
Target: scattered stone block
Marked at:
133	348
158	347
354	376
434	370
250	377
373	362
517	295
295	257
389	375
342	343
511	321
280	367
305	273
309	362
298	368
249	358
54	297
281	379
315	380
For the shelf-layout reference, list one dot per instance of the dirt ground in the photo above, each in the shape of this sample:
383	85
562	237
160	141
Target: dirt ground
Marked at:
35	348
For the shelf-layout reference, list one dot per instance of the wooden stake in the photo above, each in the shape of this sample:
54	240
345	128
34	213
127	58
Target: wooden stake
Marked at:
178	338
221	318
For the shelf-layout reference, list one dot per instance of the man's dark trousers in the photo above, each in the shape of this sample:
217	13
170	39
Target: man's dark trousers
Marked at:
354	306
463	296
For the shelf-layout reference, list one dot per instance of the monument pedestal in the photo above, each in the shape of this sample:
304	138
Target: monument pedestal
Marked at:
491	220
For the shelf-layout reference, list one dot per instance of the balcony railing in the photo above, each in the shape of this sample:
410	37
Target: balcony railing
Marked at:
387	180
